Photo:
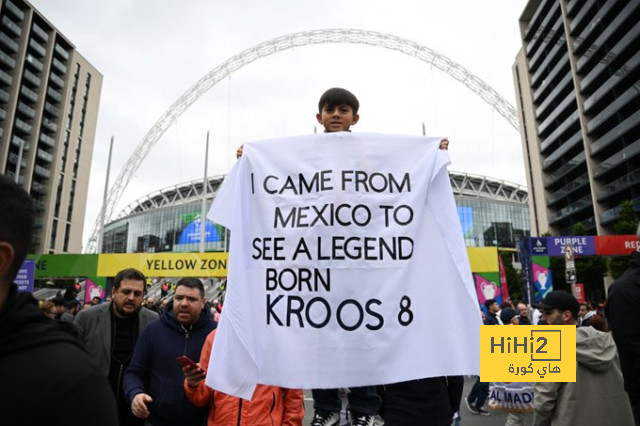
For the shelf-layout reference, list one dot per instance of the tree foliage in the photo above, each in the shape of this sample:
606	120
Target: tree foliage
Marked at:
626	224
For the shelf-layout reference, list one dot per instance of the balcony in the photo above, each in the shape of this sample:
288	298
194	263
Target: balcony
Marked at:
589	225
12	176
29	94
612	215
59	66
40	33
39	188
20	143
7	60
625	43
616	133
571	165
572	186
562	150
630	96
612	188
39	205
55	95
56	80
53	110
17	13
21	125
3	114
31	78
6	78
566	125
571	209
13	159
9	42
617	159
34	63
50	125
44	156
37	48
62	52
47	140
11	26
26	110
42	172
4	96
38	222
559	111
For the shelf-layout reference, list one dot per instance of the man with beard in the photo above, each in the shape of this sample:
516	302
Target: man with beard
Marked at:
597	396
153	383
42	368
110	331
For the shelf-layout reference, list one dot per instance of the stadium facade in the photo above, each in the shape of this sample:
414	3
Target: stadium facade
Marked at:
492	213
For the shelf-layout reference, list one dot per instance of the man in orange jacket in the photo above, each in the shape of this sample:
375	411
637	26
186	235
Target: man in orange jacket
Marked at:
270	405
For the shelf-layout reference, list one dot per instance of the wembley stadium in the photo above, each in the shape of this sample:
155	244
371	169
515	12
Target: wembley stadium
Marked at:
492	213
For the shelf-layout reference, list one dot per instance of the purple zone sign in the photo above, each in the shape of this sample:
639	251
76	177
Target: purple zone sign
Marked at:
26	274
554	246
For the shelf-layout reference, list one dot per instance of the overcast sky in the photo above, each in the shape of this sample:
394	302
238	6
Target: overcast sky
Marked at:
151	51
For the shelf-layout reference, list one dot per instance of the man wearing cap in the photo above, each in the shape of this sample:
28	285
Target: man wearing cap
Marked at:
597	396
622	310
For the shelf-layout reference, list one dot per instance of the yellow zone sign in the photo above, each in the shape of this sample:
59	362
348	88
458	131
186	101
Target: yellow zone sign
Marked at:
528	353
165	264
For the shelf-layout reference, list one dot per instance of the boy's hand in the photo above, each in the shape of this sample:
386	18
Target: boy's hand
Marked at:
239	151
444	144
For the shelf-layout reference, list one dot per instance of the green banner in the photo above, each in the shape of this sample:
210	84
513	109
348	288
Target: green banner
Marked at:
65	265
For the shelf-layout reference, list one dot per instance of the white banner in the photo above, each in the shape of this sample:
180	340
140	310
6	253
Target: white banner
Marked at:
347	266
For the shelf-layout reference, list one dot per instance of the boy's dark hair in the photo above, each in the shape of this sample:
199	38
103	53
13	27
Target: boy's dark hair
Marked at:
130	274
191	283
337	96
59	301
16	222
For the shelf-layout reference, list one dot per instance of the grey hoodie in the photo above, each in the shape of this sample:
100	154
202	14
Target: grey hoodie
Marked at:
596	397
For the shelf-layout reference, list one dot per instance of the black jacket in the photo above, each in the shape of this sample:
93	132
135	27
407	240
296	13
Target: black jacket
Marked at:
153	369
45	373
623	313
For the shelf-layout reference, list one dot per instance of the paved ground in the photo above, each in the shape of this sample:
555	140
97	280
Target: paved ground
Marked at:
497	418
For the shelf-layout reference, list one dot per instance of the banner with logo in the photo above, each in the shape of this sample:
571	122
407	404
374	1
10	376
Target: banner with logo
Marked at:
91	290
515	397
344	248
542	280
25	277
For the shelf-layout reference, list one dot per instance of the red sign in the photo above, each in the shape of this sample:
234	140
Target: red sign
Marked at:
616	245
578	292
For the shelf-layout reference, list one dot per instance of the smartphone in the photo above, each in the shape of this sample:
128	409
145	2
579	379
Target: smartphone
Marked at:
183	360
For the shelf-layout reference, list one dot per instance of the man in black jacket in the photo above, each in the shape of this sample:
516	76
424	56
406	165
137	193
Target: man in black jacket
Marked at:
42	368
622	312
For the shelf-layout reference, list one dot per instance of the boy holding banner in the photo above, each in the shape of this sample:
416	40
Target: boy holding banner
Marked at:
337	112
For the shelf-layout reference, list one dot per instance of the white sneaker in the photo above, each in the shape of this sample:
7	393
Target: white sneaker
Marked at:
325	418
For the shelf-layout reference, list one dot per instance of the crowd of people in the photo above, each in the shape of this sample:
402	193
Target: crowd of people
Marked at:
132	361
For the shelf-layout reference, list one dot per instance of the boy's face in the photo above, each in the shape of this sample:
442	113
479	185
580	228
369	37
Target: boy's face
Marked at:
337	119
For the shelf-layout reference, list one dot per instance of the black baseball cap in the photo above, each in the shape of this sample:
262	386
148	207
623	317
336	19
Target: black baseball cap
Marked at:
560	300
507	315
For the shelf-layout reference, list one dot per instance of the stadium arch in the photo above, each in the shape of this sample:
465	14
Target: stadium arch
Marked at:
279	44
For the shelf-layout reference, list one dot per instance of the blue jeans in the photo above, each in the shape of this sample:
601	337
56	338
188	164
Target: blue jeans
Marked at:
363	400
479	393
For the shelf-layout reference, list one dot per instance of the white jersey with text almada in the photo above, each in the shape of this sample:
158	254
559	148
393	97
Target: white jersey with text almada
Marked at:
347	266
